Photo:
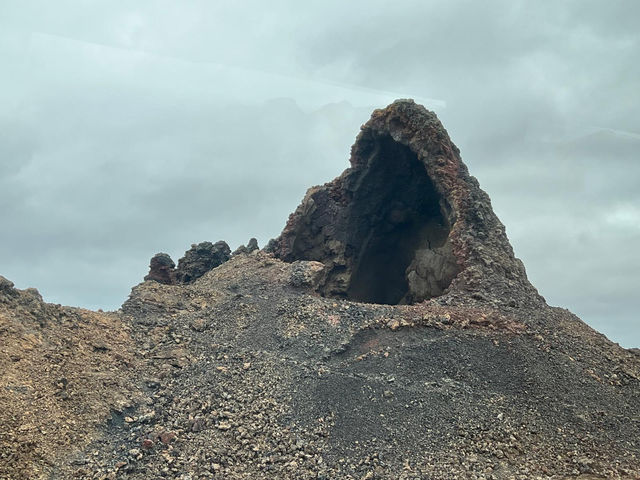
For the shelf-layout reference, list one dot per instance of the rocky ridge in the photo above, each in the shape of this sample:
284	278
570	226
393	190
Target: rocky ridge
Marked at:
298	362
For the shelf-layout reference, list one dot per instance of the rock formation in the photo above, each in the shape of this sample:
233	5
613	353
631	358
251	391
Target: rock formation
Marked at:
406	222
296	362
197	261
162	269
252	246
200	259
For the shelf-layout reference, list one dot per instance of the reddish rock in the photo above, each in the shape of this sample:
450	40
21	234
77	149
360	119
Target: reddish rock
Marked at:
162	269
406	222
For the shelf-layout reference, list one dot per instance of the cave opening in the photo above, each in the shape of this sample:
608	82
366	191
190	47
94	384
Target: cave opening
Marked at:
399	253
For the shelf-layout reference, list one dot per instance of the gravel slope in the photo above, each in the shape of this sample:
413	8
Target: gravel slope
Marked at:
247	374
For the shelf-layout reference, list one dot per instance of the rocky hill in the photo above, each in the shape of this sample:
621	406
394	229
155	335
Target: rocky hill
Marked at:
388	333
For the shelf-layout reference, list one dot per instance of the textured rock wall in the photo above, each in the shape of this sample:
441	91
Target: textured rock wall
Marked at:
406	222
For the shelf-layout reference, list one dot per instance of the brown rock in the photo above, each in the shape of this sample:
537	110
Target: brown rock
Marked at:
406	222
162	269
201	258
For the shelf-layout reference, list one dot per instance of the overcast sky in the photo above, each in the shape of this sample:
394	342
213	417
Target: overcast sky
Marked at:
129	128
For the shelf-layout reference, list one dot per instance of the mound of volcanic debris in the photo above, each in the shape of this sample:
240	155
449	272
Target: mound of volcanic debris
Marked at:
64	373
388	333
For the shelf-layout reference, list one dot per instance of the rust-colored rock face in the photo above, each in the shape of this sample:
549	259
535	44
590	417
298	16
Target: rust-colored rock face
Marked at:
406	222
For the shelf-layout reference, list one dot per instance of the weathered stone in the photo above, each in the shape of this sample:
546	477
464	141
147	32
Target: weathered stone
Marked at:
5	284
34	293
162	269
406	222
250	247
200	259
197	261
7	290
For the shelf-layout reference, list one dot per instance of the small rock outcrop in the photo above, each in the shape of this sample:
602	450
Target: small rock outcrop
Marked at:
406	222
7	289
197	261
200	259
252	246
162	269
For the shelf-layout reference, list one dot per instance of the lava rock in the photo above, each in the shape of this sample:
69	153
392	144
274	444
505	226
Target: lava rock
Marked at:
200	259
162	269
406	222
251	246
7	291
5	284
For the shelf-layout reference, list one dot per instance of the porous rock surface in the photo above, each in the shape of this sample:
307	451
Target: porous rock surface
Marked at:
162	269
267	367
197	261
406	222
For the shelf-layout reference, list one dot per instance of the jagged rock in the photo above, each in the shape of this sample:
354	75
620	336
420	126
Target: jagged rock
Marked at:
7	291
33	293
406	222
200	259
240	250
162	269
197	261
251	247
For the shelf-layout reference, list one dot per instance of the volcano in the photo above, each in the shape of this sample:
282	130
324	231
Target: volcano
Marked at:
389	332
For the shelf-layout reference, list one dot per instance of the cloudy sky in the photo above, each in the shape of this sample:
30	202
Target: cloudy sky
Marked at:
129	128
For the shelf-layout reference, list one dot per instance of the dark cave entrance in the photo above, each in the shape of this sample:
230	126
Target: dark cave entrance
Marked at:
397	225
